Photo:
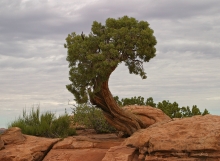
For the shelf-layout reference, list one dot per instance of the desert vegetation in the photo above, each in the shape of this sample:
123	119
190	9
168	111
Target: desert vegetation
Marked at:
91	117
87	116
44	125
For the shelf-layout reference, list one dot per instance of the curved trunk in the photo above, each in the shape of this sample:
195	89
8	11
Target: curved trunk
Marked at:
127	119
120	119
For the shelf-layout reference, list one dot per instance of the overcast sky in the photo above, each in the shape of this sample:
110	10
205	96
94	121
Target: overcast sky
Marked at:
34	70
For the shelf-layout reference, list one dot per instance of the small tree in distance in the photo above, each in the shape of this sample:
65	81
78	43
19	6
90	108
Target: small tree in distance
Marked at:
92	58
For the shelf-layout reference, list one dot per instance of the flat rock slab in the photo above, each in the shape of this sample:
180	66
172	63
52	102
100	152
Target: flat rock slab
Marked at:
91	147
120	153
92	154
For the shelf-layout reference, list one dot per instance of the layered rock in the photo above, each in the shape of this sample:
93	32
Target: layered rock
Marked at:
189	139
92	147
19	147
149	115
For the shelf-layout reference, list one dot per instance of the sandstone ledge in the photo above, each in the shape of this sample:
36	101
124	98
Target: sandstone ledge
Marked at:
92	147
19	147
194	138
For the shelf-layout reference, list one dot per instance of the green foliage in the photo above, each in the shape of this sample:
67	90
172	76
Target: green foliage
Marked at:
116	98
91	117
205	112
45	125
150	102
61	126
92	58
133	100
186	111
171	109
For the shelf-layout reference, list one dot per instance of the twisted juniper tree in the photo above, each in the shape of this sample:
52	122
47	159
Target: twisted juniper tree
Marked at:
93	57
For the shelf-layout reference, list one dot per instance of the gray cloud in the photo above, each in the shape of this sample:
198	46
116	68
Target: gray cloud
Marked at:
179	9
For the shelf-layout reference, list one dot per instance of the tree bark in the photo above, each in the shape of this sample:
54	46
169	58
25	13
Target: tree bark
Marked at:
116	116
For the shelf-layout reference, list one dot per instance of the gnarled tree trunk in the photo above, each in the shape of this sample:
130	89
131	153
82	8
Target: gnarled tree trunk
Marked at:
121	120
127	121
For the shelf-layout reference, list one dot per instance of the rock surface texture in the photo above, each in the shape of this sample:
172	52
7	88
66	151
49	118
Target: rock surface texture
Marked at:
121	153
1	143
188	139
13	136
91	147
19	147
147	114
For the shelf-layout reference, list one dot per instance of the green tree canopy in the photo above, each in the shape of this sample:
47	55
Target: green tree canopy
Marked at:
93	57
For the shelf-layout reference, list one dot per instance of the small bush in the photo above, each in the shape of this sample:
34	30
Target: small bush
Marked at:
91	117
45	125
61	126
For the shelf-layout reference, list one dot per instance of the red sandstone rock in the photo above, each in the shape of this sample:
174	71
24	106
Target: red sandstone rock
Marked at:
29	149
148	114
1	143
188	139
120	153
13	136
83	148
92	154
91	141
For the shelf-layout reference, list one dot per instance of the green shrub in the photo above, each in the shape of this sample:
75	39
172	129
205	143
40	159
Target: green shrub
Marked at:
61	126
45	125
91	117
